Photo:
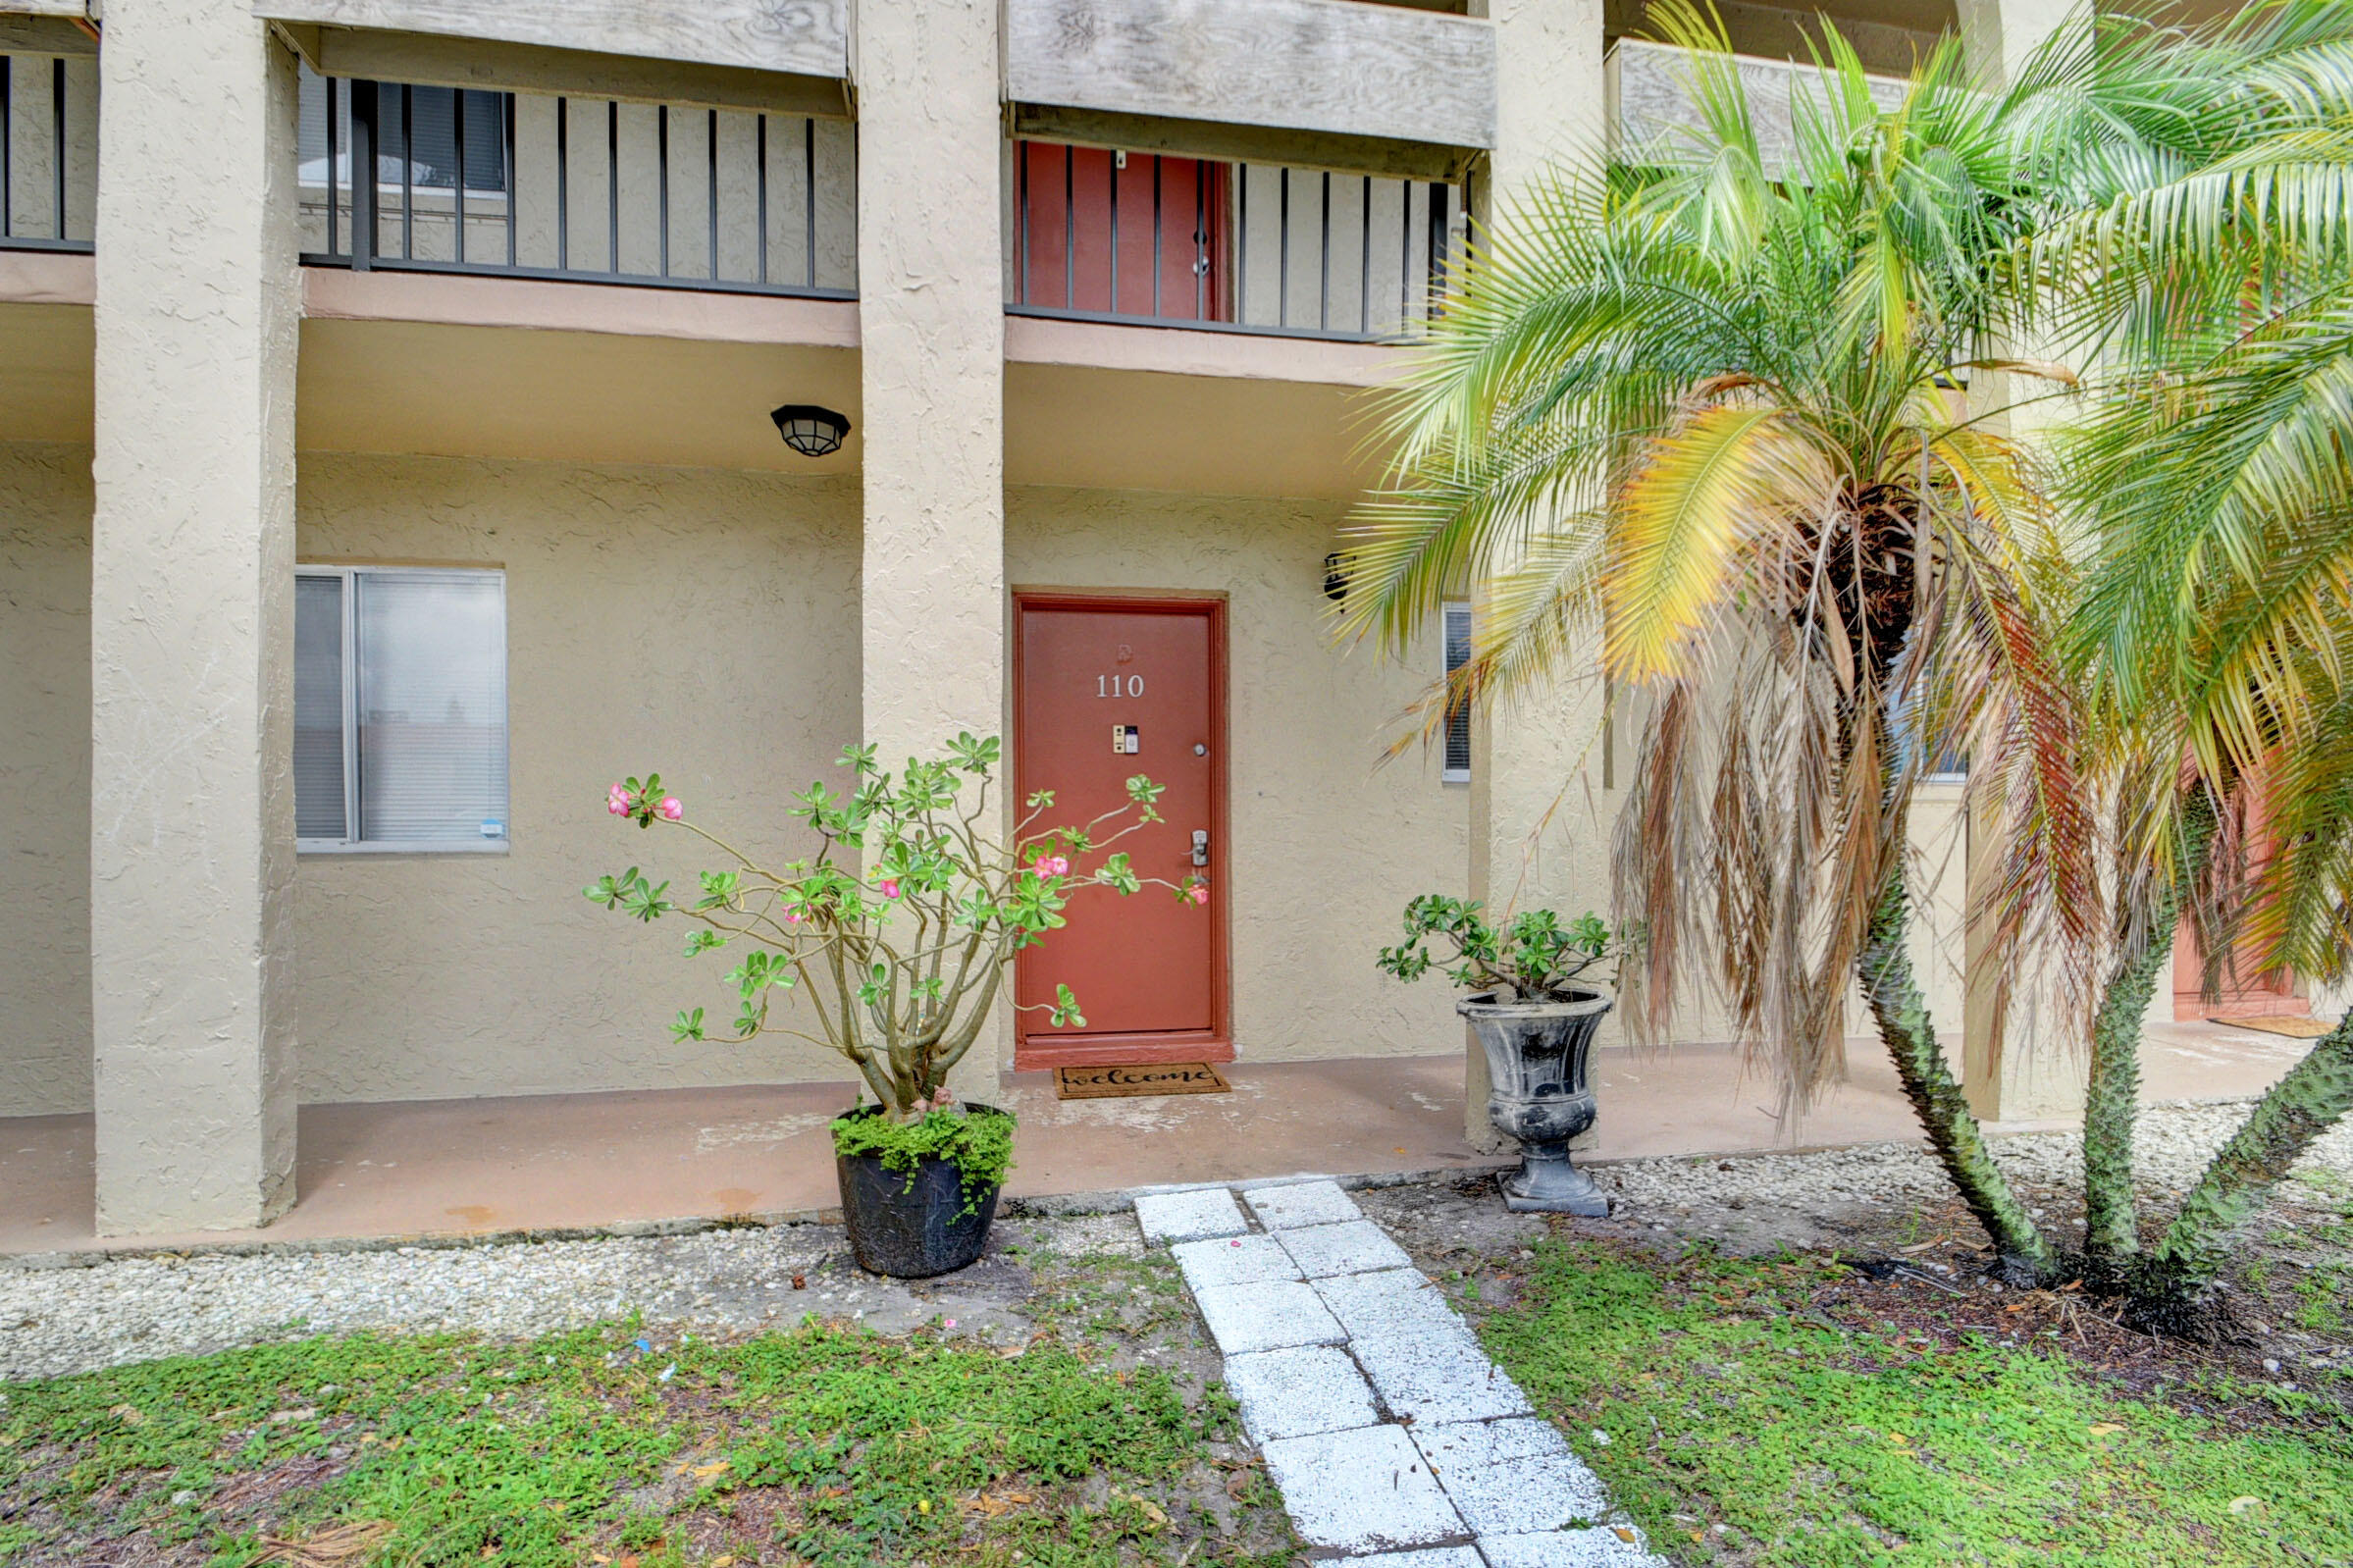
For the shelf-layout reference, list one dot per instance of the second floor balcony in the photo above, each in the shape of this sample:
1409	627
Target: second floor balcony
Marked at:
48	151
578	189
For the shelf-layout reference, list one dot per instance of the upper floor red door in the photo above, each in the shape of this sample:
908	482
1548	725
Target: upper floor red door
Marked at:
1120	234
1108	690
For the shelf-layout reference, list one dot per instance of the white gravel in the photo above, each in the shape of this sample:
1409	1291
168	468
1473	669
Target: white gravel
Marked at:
61	1320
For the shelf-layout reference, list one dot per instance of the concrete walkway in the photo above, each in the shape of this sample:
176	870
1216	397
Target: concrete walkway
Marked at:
592	1162
1394	1439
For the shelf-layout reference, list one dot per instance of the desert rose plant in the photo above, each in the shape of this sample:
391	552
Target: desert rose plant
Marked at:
896	931
1533	956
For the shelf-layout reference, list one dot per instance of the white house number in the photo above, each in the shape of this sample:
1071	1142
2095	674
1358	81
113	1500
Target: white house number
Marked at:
1118	686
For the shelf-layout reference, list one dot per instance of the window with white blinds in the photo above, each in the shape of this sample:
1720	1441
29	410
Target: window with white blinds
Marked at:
1456	768
399	709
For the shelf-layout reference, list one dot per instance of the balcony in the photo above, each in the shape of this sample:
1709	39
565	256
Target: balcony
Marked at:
1122	237
48	151
1651	102
576	189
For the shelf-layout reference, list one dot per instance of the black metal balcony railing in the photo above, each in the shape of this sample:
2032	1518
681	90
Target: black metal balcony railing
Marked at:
588	189
48	141
1136	238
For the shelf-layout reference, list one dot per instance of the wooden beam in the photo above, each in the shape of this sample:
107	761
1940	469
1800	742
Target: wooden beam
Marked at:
443	61
1339	67
1201	139
75	10
46	32
800	37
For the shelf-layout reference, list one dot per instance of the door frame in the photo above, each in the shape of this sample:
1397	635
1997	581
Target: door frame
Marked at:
1215	1043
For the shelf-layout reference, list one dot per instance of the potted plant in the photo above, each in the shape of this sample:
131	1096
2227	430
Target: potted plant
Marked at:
895	935
1535	1024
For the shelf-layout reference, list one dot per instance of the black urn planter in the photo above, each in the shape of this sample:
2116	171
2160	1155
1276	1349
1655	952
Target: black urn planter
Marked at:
912	1228
1536	1059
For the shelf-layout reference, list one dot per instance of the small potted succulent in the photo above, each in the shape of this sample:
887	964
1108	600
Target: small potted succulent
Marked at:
895	935
1535	1022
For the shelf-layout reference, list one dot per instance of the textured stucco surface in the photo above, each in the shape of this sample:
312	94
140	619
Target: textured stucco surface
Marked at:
46	778
192	814
698	622
1328	843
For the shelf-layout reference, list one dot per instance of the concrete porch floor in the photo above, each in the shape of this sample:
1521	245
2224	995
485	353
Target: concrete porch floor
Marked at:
444	1168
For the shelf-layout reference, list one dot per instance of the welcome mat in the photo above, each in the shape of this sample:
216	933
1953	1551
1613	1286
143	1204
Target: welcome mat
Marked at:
2292	1025
1142	1078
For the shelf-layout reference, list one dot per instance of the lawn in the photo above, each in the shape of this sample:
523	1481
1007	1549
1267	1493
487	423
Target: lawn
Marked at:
821	1445
1773	1411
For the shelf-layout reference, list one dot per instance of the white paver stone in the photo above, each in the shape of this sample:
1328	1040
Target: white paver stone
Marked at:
1190	1215
1301	1203
1438	1377
1366	1489
1271	1315
1602	1547
1512	1478
1390	1304
1299	1393
1233	1260
1354	1247
1427	1557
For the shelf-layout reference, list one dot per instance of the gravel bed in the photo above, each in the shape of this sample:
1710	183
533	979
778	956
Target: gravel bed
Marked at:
61	1320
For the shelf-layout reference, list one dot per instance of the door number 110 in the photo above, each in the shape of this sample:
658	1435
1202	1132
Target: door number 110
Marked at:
1118	686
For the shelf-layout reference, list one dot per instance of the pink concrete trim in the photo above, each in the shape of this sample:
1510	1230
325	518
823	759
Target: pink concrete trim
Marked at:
47	278
1181	352
456	299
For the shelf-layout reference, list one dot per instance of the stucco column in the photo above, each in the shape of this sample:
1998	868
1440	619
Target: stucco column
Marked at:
2035	1065
191	624
931	316
1536	771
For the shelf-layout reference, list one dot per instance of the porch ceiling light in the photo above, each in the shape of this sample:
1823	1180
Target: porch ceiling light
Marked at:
809	429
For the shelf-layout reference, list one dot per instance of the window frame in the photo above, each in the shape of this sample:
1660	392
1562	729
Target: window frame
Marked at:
1447	610
348	573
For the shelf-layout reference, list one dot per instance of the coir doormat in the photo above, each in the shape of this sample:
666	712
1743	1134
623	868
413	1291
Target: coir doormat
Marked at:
2287	1024
1142	1078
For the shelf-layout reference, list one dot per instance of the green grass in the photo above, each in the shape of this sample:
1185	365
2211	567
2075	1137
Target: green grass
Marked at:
1730	1400
815	1445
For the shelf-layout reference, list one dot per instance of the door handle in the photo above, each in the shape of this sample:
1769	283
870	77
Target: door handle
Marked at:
1200	846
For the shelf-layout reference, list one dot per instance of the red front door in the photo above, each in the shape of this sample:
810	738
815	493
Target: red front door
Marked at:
1106	690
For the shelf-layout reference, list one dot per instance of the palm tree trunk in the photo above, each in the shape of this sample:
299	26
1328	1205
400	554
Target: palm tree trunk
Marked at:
2111	1102
2300	1107
1884	966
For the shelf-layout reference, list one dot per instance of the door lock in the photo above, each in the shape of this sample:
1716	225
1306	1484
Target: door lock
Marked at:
1200	846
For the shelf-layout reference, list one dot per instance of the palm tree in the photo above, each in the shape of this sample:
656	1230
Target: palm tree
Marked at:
2213	634
1710	406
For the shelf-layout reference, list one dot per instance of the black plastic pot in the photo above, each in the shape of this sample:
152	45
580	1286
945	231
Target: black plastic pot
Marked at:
911	1230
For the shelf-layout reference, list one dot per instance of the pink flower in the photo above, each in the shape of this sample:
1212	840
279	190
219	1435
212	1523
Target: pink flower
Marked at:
616	801
890	887
1054	865
1198	894
792	917
671	809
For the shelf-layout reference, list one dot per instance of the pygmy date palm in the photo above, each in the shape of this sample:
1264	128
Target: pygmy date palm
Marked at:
2216	625
1713	406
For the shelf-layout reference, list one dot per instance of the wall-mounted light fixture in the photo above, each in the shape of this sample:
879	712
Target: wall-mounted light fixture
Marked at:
1335	576
809	429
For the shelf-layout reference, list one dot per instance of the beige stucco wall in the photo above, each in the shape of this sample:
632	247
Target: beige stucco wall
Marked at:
46	778
1327	844
699	622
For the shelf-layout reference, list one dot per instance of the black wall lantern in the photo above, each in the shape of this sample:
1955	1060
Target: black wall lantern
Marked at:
1335	576
809	429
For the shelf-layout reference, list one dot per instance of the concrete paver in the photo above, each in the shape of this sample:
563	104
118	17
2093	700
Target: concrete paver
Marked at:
1301	1203
1234	1260
1299	1393
1271	1315
1190	1215
1512	1478
1602	1547
1362	1490
1354	1247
